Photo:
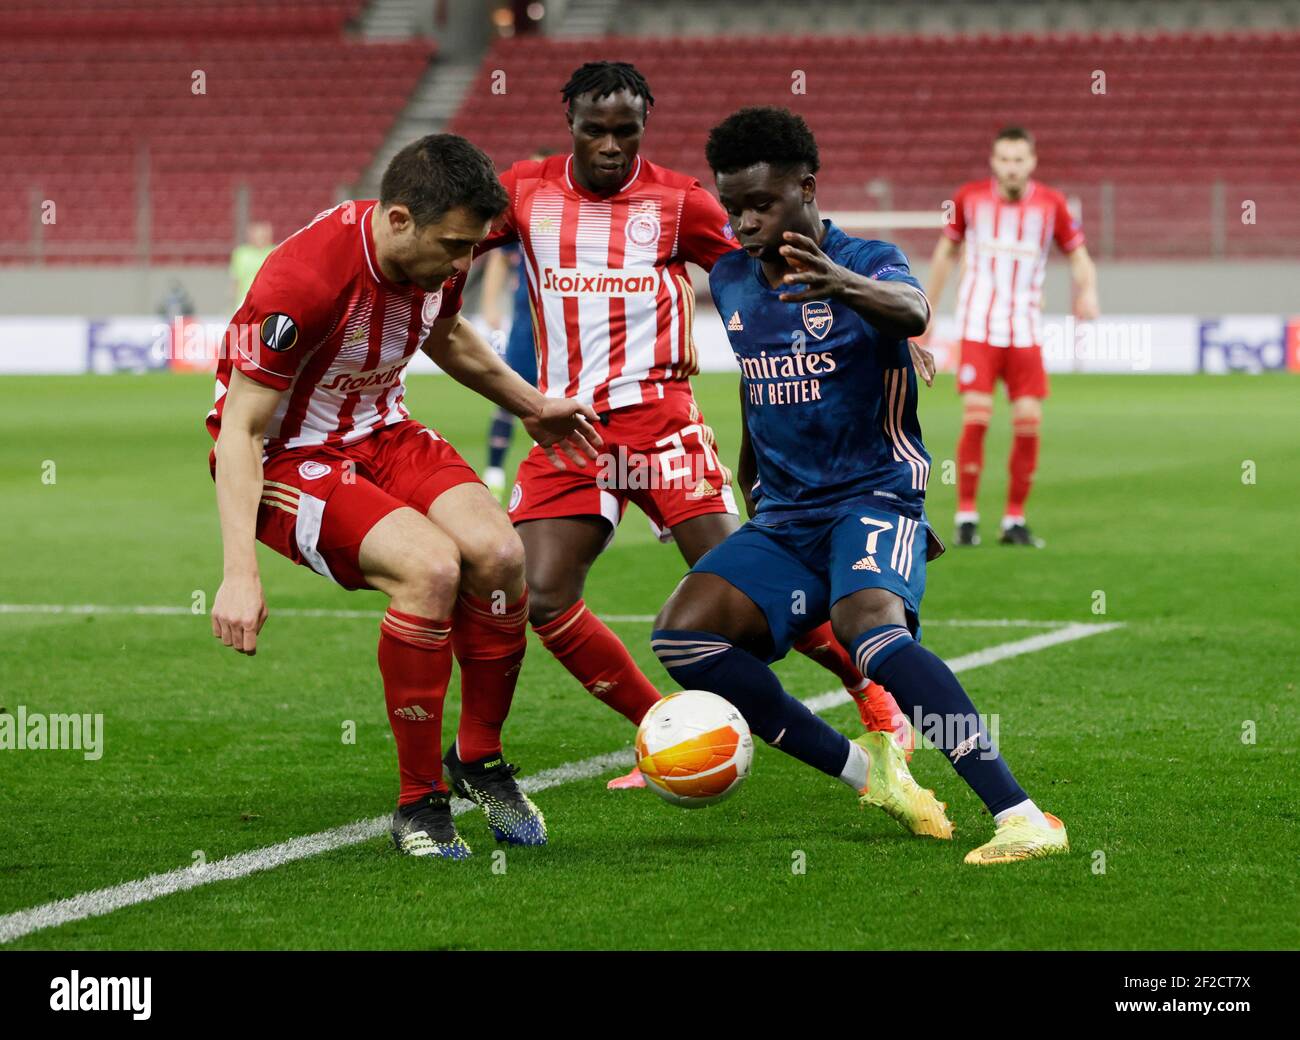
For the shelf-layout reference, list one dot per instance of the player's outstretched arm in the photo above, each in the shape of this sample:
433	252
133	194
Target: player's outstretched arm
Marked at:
239	609
557	424
895	308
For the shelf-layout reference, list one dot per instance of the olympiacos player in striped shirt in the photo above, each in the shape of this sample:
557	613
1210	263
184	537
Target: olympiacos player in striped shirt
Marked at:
1007	224
606	237
317	457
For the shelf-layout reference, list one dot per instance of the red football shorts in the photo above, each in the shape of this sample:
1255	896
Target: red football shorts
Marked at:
319	503
659	455
1020	367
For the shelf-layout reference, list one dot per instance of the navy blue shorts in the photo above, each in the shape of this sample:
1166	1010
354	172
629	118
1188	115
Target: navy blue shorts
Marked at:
520	355
795	570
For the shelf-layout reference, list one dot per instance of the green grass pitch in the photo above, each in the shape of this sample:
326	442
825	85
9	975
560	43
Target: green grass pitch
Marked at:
1168	746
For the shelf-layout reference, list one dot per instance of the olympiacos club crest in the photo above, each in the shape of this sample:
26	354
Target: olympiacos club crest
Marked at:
429	310
642	228
817	318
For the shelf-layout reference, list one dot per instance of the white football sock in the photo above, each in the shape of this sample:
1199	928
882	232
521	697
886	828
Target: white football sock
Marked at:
1027	809
856	768
967	518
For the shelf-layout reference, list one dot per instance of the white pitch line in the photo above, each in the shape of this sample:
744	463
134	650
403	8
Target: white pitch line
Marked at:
296	612
116	897
155	886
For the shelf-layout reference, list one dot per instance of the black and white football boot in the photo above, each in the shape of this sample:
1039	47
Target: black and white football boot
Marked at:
1019	534
425	828
490	784
968	529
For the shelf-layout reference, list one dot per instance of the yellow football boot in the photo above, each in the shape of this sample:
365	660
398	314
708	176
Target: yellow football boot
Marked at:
1018	839
890	787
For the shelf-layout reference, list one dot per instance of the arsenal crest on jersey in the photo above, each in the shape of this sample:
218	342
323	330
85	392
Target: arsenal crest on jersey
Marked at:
817	318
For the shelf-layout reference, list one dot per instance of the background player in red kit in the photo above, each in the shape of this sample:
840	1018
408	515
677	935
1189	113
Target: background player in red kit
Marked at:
1007	224
606	237
317	457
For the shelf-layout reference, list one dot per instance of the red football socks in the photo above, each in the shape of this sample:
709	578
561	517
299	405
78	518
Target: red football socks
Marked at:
970	456
415	662
820	645
489	640
597	658
1024	461
876	705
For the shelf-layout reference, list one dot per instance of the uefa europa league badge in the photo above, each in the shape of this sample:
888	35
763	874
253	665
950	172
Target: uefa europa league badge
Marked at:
817	318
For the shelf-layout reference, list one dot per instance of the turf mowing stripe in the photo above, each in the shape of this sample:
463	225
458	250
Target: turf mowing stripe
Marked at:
644	619
106	900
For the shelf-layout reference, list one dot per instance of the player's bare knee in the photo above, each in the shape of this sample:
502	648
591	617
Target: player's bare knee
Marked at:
674	614
434	574
494	564
1027	409
976	407
547	602
863	611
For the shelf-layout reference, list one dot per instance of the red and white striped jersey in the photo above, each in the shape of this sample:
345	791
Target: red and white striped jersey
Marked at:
999	301
612	304
323	323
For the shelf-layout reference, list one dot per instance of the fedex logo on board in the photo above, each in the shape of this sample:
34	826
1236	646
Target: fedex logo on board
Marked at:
1249	343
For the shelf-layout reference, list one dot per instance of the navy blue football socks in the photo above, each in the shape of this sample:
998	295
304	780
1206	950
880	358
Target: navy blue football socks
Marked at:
939	708
499	433
705	661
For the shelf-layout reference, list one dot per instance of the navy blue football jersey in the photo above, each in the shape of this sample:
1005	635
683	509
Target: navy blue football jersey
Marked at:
830	401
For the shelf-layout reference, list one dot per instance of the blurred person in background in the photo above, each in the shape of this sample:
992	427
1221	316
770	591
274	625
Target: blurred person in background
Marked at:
1007	224
246	260
505	267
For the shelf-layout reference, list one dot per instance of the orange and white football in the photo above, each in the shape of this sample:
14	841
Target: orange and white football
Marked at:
694	748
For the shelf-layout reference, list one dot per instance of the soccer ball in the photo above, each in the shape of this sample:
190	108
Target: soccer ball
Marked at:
694	748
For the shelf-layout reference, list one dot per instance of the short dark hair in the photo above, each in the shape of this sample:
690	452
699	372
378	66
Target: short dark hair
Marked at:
440	172
1015	133
602	78
762	134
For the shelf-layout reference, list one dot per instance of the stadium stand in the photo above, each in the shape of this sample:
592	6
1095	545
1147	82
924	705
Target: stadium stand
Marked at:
100	113
1160	162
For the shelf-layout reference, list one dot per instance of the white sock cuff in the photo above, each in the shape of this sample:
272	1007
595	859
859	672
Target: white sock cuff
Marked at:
1027	809
855	769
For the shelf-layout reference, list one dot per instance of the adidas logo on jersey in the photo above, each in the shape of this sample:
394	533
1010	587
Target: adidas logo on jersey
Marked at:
734	324
867	563
414	713
704	490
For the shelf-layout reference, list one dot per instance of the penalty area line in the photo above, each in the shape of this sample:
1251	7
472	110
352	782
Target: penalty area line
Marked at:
103	901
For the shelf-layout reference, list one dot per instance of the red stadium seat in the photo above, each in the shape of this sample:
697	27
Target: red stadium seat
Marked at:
921	110
92	89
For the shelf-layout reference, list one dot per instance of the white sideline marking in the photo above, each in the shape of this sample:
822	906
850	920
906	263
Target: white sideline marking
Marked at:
105	900
295	612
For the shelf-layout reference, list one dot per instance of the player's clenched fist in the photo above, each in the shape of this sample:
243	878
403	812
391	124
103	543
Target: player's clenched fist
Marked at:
238	613
567	425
